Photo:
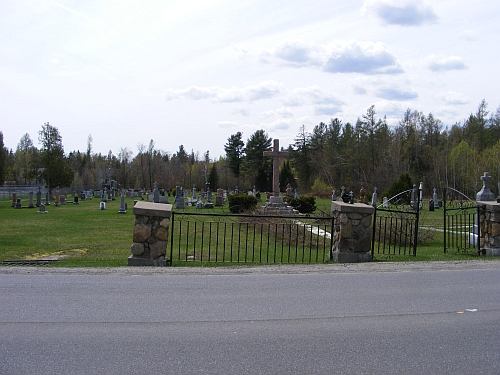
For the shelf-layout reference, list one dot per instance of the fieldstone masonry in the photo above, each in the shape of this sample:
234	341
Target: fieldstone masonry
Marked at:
352	232
489	224
152	221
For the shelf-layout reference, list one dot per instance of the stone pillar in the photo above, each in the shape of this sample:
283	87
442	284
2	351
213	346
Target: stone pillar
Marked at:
152	221
352	234
489	228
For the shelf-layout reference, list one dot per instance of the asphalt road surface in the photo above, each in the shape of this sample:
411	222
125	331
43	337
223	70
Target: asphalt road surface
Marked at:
367	319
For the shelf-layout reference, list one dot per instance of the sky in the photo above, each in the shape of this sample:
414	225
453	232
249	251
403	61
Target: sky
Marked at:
193	73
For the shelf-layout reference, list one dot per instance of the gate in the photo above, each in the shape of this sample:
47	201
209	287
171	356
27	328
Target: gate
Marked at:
461	226
395	224
232	238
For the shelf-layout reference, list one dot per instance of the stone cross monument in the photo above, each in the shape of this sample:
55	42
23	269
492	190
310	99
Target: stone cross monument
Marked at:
485	194
276	154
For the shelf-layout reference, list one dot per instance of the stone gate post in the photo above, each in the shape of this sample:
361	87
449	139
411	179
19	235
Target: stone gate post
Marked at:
352	234
152	221
489	227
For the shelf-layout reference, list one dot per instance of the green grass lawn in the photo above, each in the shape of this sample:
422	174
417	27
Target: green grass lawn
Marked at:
102	238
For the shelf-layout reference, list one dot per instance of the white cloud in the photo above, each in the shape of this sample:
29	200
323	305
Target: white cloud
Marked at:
299	53
362	57
338	57
227	124
438	64
359	90
283	112
263	90
242	112
400	12
311	95
389	109
455	98
468	35
396	94
327	110
280	124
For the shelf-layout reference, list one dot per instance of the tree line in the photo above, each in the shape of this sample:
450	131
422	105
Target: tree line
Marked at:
329	156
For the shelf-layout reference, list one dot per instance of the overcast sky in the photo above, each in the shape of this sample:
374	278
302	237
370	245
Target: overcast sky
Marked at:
195	72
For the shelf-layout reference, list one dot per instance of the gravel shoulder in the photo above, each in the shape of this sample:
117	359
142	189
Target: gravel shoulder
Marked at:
256	270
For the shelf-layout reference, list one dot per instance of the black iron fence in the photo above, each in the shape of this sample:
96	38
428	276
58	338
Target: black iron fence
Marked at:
461	227
223	238
395	225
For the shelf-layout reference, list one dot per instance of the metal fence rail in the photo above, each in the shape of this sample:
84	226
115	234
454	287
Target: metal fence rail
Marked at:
395	225
461	232
395	232
223	238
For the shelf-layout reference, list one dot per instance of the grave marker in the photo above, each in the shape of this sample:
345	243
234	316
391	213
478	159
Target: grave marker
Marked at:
276	154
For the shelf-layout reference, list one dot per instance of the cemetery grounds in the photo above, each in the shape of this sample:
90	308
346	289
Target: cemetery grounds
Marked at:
82	235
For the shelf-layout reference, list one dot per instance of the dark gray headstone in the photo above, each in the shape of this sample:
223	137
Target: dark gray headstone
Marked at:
485	194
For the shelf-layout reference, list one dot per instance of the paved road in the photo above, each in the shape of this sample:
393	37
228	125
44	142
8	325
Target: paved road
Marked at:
404	319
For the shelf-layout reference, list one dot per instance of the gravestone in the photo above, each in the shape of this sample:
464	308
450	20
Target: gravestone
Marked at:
334	197
374	197
362	195
219	198
63	199
42	209
199	203
179	198
194	193
31	205
14	200
123	209
47	198
18	203
75	200
209	194
102	205
435	198
485	194
385	203
39	197
156	194
276	154
105	195
57	202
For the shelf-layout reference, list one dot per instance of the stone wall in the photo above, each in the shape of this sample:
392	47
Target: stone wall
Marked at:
152	221
352	232
489	226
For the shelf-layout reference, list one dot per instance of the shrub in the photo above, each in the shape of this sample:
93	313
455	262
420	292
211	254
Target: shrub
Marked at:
241	202
305	205
321	189
403	183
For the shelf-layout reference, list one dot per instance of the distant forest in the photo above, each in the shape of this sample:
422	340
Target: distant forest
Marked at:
329	156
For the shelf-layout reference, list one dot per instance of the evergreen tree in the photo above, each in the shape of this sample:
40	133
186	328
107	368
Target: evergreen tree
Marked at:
55	170
234	153
259	169
3	160
287	176
213	177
